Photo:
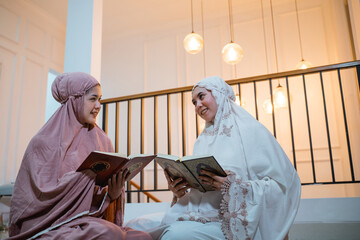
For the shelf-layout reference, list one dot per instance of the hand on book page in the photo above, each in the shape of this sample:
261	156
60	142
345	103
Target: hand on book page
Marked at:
106	164
189	168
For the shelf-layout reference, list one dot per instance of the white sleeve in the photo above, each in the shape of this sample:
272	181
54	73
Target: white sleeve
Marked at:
255	207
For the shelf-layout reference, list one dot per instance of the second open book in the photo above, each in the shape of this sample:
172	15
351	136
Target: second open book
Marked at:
189	167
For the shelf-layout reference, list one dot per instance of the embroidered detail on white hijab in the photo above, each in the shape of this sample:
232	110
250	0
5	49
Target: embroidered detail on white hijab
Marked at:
210	132
226	130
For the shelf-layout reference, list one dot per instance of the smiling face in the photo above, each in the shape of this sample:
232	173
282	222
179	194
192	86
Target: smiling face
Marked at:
205	103
92	104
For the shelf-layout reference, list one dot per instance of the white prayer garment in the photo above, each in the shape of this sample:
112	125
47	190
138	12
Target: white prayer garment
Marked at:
262	194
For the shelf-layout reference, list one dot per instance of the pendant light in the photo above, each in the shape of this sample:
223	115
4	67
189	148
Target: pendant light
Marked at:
240	102
302	64
280	94
232	52
280	97
267	105
193	42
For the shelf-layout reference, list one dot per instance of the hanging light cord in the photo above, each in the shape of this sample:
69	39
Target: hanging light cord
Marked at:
263	22
231	22
272	20
203	35
298	25
192	18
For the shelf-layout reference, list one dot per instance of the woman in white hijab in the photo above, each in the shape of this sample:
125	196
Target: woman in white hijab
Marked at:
260	196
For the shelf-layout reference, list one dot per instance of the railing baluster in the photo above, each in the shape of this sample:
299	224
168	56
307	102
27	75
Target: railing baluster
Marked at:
358	76
239	91
291	124
155	139
117	127
197	125
309	129
346	127
272	106
327	128
183	123
142	140
169	122
104	118
129	143
129	128
256	107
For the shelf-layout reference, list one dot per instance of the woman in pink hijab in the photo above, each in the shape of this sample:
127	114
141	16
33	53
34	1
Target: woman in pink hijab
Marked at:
53	201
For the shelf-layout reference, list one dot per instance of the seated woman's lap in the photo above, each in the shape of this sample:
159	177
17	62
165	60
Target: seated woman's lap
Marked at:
94	228
193	230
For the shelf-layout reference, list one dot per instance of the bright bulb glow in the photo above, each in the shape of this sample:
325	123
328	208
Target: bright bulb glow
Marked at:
267	106
303	64
193	43
238	102
232	53
280	97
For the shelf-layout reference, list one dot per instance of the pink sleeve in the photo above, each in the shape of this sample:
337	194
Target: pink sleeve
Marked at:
100	201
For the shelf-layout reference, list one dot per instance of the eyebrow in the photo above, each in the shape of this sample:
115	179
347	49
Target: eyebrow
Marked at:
196	96
95	95
199	93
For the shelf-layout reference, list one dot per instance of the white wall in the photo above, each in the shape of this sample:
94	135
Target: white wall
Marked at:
31	43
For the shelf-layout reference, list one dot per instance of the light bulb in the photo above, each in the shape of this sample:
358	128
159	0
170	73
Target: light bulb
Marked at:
280	97
237	100
193	43
303	64
267	106
232	53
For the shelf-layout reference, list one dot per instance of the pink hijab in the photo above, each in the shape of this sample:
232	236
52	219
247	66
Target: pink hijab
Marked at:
48	191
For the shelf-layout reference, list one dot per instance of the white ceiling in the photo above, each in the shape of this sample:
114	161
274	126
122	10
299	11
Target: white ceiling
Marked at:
123	16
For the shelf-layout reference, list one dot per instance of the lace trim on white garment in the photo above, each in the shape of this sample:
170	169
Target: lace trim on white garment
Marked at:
234	215
193	216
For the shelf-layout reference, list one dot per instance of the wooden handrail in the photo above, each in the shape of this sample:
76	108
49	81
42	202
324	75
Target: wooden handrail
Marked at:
149	195
240	80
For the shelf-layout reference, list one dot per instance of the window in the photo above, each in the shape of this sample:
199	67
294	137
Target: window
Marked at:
51	104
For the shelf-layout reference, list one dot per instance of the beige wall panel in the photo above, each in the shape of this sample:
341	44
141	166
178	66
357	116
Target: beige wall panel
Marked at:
31	103
57	50
7	66
9	24
25	58
161	62
313	37
123	67
254	61
213	46
35	38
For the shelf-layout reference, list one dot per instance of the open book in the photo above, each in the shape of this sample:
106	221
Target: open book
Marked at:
188	168
106	164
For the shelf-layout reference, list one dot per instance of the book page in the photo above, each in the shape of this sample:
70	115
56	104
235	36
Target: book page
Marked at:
138	163
177	170
204	162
